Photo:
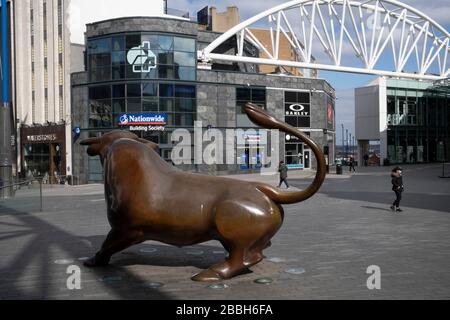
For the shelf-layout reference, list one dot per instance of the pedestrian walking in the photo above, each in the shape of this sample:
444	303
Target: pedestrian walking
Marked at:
283	170
366	160
352	164
397	187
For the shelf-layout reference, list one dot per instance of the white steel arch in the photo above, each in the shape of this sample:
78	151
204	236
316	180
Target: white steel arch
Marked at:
379	37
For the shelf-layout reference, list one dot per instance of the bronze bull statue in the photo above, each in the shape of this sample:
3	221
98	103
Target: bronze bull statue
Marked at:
148	199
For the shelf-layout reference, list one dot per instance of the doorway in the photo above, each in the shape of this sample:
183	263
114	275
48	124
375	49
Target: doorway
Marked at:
307	159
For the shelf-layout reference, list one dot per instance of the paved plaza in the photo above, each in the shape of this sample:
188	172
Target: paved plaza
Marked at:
322	251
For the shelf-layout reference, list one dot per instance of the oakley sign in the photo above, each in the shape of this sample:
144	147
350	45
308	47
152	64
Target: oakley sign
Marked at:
297	110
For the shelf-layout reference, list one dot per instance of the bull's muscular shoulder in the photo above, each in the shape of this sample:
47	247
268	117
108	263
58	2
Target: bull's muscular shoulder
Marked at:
129	146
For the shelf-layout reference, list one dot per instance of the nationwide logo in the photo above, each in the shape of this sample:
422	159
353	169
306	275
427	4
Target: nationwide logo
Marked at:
142	58
142	119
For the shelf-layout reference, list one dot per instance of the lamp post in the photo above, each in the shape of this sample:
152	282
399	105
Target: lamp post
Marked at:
350	142
342	125
5	112
354	146
346	140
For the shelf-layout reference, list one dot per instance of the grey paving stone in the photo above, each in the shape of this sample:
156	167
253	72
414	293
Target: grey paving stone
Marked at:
333	236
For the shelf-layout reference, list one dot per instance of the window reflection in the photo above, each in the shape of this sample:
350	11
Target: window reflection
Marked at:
108	102
175	57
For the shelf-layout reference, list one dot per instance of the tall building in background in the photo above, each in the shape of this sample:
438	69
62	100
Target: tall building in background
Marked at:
41	77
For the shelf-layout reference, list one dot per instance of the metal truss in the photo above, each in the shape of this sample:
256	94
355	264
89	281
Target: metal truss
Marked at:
379	37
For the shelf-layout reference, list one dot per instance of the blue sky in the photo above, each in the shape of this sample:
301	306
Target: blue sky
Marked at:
438	10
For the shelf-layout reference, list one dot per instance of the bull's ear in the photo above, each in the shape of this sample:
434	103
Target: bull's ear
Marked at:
150	144
88	142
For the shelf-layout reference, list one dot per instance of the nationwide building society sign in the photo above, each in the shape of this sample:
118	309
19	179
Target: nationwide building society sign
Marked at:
143	122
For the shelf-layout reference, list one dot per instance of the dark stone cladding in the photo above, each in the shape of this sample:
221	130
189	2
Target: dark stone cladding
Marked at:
141	24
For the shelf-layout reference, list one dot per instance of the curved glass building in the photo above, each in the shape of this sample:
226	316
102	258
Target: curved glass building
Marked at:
147	66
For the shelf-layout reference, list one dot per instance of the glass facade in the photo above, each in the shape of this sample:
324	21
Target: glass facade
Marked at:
107	102
244	95
250	155
418	125
142	56
138	73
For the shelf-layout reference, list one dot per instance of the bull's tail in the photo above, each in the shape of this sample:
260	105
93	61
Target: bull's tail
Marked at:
263	119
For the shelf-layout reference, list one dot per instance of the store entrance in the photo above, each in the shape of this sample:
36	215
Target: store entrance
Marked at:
295	155
307	160
44	161
43	154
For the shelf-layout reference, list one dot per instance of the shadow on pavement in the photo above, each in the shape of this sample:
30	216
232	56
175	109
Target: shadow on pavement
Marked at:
376	208
36	240
411	200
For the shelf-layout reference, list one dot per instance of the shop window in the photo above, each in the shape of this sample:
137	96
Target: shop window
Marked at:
166	72
166	105
100	106
99	46
258	95
150	90
182	91
185	105
184	44
184	119
297	97
304	122
152	74
166	90
118	91
150	104
290	96
100	120
134	105
243	94
118	58
118	43
185	73
175	58
166	43
101	74
100	92
133	41
165	57
118	72
119	106
100	60
134	90
292	121
153	39
186	59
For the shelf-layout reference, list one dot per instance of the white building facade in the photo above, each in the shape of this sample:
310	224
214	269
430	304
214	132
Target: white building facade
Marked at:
41	86
410	119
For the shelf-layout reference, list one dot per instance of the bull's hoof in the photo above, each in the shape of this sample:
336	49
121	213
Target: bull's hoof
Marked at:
207	275
96	262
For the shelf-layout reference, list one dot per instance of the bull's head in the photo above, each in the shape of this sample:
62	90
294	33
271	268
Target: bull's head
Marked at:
98	146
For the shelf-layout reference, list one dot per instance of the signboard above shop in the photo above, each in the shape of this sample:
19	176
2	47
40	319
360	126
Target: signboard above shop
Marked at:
297	109
43	134
143	121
